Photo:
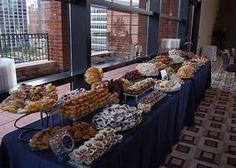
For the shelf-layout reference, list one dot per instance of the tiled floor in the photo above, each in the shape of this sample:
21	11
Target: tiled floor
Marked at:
212	142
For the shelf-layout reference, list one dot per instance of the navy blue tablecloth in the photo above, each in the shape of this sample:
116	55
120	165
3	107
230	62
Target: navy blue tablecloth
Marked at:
144	146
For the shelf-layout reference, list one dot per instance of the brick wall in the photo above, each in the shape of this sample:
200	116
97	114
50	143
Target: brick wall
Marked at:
168	28
142	29
51	17
131	28
35	71
57	29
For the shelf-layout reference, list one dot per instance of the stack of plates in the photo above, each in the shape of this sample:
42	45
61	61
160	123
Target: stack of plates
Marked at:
7	75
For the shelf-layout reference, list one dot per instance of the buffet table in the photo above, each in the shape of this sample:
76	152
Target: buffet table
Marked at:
143	146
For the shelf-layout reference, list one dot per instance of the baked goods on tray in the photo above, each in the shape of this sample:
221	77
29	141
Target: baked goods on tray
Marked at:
145	104
176	52
93	75
147	69
139	87
185	72
95	147
201	60
188	54
164	59
191	64
168	86
118	117
78	130
160	65
30	99
177	59
132	75
83	104
175	66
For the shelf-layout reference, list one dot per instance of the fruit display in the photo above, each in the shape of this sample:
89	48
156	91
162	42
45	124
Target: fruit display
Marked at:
164	59
83	104
132	75
145	104
139	87
118	117
78	130
30	99
147	69
95	147
93	75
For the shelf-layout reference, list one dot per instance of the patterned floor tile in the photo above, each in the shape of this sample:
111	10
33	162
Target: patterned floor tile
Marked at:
212	142
228	161
202	164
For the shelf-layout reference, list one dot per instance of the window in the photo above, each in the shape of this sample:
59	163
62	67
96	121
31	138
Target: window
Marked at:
169	21
133	3
116	36
34	33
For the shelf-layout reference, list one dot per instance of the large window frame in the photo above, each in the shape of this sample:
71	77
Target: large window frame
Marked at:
80	50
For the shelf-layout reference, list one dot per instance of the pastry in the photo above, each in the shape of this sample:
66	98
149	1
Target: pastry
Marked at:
164	59
93	75
139	87
95	147
145	104
30	99
185	71
78	131
132	75
82	104
147	69
160	66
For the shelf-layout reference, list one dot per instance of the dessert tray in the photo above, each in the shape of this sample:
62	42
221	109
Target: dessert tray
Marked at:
136	96
132	75
82	102
177	59
159	65
27	99
200	61
145	104
94	148
164	59
175	52
168	86
30	99
147	69
78	130
118	117
186	72
138	88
